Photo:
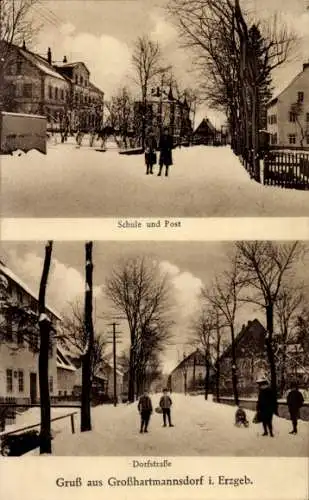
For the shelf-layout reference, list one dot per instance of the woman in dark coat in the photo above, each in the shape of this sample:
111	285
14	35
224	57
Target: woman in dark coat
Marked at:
266	406
165	146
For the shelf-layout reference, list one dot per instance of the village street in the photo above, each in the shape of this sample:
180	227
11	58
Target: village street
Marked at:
203	182
202	428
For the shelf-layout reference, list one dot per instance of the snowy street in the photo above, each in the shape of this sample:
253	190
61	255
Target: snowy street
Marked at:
201	428
73	182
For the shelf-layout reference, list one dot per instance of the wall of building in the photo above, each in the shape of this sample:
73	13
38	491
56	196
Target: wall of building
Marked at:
66	380
286	128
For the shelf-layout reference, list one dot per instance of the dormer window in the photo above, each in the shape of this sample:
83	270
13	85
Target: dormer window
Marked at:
300	97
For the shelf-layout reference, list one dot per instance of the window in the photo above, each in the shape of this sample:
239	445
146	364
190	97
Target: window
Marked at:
81	80
274	119
307	139
20	381
20	297
300	97
62	94
307	117
20	337
18	66
50	91
27	90
292	139
9	381
9	327
76	79
51	385
292	117
56	92
274	138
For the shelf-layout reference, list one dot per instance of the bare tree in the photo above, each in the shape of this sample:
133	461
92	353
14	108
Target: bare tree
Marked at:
73	335
297	112
263	266
288	308
137	289
88	354
120	117
45	331
205	329
235	59
224	297
147	63
17	26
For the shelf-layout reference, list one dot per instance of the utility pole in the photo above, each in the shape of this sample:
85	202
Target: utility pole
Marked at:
114	367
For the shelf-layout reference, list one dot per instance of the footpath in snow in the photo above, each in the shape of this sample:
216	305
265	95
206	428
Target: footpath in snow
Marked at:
204	181
202	428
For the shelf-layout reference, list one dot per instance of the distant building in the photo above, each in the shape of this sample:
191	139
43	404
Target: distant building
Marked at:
288	113
189	374
205	133
60	91
68	375
19	346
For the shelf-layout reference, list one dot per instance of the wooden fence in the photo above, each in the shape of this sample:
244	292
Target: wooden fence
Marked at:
287	170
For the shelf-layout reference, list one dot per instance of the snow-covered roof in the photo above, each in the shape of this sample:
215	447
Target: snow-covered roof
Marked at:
10	274
22	114
63	362
41	64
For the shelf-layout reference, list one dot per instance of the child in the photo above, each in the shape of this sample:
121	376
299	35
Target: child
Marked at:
241	418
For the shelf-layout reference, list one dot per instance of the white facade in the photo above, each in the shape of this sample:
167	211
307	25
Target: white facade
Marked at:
19	349
288	114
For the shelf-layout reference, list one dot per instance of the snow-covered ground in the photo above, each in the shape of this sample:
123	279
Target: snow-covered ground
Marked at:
82	182
202	428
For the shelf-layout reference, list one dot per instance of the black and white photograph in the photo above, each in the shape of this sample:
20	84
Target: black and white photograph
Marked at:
150	108
148	349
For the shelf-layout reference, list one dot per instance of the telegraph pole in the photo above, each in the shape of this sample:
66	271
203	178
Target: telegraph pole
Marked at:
114	364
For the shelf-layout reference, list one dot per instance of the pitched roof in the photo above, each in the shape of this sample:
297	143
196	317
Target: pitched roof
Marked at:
273	101
40	63
63	362
205	122
10	274
243	332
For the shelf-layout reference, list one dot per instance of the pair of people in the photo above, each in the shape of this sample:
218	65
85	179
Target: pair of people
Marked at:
165	148
145	409
267	406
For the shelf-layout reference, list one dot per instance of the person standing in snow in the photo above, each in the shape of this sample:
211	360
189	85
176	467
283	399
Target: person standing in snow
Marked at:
165	146
266	406
165	404
295	401
150	152
145	409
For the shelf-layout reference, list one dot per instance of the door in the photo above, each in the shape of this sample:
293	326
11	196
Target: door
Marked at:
33	388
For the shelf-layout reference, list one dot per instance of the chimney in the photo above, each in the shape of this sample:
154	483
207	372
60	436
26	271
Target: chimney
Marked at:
65	60
305	66
49	56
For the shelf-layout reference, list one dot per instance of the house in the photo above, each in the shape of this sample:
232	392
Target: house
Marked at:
251	360
107	373
189	374
68	375
205	133
19	346
288	114
60	91
34	86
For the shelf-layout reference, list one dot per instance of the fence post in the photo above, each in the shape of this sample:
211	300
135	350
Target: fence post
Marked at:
72	423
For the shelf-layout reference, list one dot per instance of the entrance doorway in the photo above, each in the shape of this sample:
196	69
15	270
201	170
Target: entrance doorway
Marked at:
33	388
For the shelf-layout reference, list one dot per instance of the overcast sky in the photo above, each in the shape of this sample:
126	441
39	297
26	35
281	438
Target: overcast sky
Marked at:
102	34
190	266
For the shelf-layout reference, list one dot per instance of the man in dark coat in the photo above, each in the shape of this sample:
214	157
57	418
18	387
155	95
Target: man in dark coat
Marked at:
165	146
266	406
165	404
295	401
145	410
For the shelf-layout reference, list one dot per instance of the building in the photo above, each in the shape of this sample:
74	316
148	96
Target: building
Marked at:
68	376
189	374
251	360
288	114
205	133
164	110
62	92
19	346
107	372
